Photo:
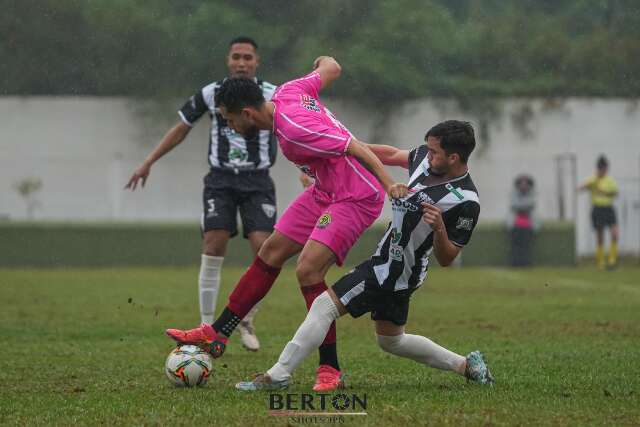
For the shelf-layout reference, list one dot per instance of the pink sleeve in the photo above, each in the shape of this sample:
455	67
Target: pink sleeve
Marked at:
313	138
309	84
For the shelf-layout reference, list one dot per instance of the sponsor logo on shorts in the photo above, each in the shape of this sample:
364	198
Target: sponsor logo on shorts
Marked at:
269	210
464	223
324	221
309	103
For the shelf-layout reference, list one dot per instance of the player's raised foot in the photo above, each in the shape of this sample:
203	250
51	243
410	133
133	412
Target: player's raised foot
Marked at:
248	335
477	370
262	382
328	378
203	336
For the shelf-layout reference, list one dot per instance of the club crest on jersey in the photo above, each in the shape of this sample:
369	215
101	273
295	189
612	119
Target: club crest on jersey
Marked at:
324	221
309	103
464	223
269	210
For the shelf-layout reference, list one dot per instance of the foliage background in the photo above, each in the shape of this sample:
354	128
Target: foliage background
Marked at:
393	50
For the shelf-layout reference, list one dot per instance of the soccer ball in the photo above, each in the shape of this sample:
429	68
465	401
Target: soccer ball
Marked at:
188	366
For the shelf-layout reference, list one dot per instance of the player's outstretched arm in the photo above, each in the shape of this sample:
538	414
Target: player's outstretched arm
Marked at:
390	156
328	68
363	153
173	137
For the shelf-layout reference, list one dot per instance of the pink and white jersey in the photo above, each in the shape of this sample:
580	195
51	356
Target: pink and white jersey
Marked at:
315	141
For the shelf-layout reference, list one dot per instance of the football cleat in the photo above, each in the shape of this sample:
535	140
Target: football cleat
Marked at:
262	382
203	336
477	370
248	336
328	378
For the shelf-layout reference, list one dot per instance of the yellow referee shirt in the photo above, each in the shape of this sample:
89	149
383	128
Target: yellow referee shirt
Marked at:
603	190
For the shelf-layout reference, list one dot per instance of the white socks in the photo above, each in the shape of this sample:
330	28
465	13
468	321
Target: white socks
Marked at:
208	286
422	350
308	337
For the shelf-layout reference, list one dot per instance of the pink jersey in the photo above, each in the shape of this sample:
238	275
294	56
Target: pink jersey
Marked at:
312	138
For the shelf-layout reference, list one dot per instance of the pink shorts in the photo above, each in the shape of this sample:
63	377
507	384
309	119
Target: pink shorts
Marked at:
336	225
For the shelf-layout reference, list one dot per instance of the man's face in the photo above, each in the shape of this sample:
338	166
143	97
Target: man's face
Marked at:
241	122
439	161
242	60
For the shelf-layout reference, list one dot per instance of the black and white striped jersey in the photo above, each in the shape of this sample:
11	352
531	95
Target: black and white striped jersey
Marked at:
228	149
402	257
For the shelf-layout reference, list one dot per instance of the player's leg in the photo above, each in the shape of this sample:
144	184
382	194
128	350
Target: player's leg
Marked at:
218	226
324	311
214	245
246	326
393	339
292	231
258	215
598	226
600	247
336	231
314	262
614	233
390	316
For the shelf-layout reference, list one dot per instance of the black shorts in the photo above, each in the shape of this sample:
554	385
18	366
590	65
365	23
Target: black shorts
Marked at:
360	293
603	216
251	192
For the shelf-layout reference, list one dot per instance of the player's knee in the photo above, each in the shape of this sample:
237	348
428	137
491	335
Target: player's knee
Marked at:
214	244
307	273
389	343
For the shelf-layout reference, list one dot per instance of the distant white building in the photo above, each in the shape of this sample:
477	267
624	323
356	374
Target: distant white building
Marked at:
83	150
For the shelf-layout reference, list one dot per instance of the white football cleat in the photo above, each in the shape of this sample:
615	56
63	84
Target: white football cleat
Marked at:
248	335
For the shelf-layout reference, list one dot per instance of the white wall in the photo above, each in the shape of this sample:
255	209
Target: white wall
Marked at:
84	149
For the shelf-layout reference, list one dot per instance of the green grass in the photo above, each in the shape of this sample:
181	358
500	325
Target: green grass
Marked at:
86	347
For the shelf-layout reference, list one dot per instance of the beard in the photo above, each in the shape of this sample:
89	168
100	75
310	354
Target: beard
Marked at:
436	172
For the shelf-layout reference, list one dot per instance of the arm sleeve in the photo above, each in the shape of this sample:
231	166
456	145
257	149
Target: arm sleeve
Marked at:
462	222
416	156
614	186
193	109
309	85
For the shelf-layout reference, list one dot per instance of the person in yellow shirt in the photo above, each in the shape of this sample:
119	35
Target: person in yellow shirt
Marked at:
604	190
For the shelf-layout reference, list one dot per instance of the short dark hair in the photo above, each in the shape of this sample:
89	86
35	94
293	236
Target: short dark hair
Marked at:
244	39
602	162
455	136
237	93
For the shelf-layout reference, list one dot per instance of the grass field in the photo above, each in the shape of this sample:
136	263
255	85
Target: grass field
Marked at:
87	347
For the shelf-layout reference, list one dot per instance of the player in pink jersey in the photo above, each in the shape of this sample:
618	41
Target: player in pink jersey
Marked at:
324	222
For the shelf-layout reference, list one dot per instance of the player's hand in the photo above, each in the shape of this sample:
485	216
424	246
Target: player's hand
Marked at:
306	180
142	173
433	216
316	63
397	190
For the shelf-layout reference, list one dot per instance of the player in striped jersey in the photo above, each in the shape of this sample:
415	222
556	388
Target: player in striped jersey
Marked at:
238	180
437	216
